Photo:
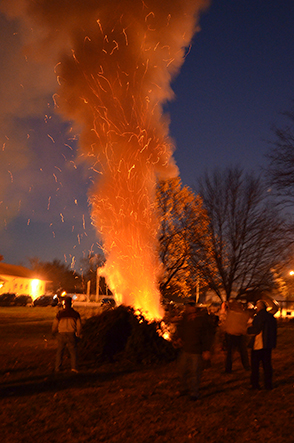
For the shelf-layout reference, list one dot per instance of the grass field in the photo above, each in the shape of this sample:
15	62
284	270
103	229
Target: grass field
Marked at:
114	404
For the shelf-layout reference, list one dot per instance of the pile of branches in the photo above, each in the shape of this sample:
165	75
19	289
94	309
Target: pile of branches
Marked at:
121	334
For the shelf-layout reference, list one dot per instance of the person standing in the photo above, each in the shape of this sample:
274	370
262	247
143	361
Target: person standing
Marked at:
195	336
235	327
264	330
67	324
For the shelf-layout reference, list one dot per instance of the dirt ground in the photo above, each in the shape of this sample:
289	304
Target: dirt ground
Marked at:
112	403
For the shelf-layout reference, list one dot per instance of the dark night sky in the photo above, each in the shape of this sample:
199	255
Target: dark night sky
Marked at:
235	82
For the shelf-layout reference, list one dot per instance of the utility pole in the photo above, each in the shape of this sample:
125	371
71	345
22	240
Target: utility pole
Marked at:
88	290
97	284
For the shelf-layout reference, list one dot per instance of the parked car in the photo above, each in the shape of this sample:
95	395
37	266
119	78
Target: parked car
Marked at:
108	303
43	300
7	299
23	300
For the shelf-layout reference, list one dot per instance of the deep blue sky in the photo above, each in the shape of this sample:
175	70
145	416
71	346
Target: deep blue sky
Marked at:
235	82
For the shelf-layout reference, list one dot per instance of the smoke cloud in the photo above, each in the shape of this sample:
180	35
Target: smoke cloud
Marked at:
114	62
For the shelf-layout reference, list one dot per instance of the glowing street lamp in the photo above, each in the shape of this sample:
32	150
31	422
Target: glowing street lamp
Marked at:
34	288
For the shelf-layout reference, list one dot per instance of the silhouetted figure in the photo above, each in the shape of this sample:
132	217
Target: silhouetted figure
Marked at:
264	329
67	324
195	336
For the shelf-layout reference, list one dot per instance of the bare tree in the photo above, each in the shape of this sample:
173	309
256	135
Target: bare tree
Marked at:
182	218
88	268
58	273
249	237
280	171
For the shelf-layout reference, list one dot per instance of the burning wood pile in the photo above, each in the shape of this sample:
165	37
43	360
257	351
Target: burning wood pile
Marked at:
124	335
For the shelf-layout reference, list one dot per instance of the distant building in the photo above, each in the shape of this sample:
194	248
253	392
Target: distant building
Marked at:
21	281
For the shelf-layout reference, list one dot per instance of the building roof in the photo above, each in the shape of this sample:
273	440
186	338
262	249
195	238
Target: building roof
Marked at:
18	271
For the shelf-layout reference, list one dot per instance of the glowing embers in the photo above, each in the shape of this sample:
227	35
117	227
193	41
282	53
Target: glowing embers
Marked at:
114	66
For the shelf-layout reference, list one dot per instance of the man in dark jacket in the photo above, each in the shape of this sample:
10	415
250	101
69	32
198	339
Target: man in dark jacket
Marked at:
264	329
195	335
67	324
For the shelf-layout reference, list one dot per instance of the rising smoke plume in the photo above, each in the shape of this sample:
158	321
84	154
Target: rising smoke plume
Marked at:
114	62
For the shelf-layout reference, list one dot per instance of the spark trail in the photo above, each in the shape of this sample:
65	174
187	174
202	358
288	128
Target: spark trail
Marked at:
114	63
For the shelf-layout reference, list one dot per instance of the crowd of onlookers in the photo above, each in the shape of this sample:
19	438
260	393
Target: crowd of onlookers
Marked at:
240	326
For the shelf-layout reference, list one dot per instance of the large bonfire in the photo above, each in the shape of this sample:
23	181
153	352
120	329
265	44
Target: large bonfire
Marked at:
114	62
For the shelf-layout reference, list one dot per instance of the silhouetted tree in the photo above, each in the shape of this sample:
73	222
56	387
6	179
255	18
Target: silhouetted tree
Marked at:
59	274
249	236
280	171
88	268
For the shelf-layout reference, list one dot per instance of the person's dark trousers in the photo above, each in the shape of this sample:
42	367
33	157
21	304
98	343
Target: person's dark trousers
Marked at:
265	357
236	342
66	339
190	369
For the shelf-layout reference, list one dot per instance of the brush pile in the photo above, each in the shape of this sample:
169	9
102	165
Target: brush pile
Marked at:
123	335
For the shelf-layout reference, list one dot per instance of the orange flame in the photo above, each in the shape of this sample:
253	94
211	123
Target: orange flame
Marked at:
116	61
